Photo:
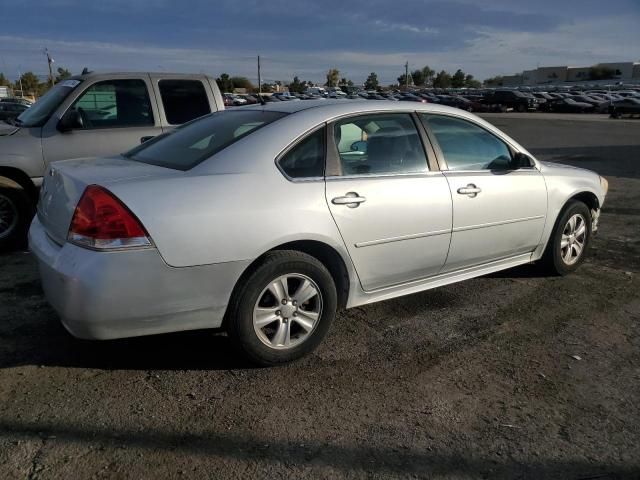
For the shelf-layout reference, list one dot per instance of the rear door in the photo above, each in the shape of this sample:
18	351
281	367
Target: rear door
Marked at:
499	211
117	113
393	212
182	99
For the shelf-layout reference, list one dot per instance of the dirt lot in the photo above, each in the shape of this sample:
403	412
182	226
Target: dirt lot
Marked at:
475	380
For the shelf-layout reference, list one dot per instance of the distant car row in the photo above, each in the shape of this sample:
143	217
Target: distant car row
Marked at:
615	103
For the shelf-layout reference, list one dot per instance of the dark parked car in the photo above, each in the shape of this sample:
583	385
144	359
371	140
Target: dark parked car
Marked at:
519	101
9	111
567	105
629	106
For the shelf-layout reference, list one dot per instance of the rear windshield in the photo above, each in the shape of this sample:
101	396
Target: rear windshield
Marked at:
188	145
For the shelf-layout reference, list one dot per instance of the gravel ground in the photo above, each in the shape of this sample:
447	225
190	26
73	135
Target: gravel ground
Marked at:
508	376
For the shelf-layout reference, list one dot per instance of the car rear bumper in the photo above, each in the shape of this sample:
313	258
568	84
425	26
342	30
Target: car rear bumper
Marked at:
105	295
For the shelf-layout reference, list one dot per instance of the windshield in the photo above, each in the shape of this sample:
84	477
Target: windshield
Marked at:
187	146
39	112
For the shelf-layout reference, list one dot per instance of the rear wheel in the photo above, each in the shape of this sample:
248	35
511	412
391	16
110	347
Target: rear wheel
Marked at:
283	309
15	214
569	241
521	108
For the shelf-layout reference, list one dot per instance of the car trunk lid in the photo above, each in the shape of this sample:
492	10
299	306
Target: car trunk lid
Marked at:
65	182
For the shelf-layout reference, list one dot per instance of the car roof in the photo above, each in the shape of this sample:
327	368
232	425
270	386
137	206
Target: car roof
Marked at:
334	108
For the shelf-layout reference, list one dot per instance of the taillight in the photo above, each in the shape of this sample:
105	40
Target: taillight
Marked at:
101	221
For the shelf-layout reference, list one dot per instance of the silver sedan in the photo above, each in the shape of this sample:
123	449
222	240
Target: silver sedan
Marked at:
264	220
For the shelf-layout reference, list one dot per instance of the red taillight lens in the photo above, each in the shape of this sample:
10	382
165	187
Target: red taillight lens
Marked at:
102	221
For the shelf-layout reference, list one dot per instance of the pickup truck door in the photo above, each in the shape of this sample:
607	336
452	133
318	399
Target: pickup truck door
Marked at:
117	113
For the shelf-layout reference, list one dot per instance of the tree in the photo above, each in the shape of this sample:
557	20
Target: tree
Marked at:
442	80
241	82
371	83
471	82
345	82
418	78
457	81
267	88
494	81
30	83
297	86
224	83
427	74
63	74
402	80
4	81
332	77
598	72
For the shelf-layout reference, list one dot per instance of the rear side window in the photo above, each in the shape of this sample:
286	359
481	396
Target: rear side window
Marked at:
306	158
187	146
183	100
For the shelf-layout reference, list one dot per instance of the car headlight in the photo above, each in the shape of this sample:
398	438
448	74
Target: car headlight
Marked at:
604	184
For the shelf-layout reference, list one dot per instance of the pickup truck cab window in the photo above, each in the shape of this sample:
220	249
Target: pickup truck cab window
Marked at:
114	104
183	100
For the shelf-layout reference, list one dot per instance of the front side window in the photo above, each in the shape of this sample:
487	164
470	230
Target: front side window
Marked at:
114	104
187	146
466	146
379	144
183	100
306	158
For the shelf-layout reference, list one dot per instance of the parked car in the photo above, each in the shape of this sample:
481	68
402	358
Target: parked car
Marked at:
567	105
630	106
202	231
85	116
233	100
20	100
10	110
511	99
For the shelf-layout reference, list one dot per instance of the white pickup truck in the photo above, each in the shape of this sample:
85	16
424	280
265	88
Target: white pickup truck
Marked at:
86	116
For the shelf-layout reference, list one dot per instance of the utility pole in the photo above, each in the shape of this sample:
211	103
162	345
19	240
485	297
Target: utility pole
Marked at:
49	62
259	77
406	75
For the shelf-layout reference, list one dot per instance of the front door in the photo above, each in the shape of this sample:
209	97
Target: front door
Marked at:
498	211
394	214
116	115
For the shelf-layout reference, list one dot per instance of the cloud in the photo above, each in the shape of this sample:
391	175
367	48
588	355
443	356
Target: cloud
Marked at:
307	38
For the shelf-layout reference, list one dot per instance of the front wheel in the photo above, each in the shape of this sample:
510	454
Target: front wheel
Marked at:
569	240
283	309
15	214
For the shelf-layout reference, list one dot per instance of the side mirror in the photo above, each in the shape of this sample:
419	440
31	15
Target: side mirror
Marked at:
359	146
70	120
520	160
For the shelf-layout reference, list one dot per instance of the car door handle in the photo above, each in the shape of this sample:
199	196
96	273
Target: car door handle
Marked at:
470	190
351	200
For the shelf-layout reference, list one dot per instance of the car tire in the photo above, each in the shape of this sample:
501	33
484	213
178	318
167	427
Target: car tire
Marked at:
16	211
556	259
521	108
256	317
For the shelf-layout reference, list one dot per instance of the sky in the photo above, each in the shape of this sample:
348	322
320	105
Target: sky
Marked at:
306	38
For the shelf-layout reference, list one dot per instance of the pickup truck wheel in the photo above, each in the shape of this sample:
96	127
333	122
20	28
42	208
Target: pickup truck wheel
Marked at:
15	215
283	309
521	108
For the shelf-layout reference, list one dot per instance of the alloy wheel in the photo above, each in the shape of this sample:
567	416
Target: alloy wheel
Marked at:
287	311
573	240
8	216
